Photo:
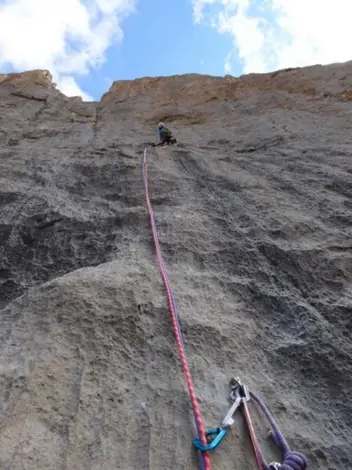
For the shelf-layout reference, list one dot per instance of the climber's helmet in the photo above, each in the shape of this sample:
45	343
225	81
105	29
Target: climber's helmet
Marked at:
161	125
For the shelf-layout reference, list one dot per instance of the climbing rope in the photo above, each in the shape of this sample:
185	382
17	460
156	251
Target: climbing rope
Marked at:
292	460
240	394
204	457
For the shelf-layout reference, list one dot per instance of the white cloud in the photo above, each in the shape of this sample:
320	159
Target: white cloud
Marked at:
198	7
275	34
69	86
227	65
65	36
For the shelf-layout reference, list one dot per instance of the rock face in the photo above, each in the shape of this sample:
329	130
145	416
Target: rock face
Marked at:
254	213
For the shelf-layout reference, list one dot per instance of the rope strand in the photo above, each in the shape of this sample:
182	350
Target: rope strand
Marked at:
205	459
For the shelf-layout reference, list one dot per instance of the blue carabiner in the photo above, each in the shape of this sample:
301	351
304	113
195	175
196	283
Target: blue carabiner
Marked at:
220	434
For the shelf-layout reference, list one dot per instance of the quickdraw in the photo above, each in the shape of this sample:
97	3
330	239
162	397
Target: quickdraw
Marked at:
240	395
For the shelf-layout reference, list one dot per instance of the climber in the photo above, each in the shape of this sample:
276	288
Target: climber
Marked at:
165	136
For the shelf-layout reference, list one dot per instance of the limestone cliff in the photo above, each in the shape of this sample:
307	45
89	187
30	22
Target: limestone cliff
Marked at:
254	213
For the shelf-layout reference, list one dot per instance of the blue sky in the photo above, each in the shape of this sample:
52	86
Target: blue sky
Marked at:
88	44
156	43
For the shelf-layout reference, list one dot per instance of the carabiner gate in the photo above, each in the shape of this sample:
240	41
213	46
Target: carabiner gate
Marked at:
214	443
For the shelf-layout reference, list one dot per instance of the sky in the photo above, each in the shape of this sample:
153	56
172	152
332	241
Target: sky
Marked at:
88	44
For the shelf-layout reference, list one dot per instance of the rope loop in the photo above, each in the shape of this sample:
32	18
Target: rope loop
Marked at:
294	461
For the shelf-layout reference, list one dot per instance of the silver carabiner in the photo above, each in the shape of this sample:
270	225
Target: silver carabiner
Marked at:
228	420
235	385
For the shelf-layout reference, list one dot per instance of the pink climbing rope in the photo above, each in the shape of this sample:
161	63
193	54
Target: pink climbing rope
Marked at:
205	459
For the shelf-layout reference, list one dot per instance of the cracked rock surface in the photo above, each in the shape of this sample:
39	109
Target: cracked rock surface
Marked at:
254	212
